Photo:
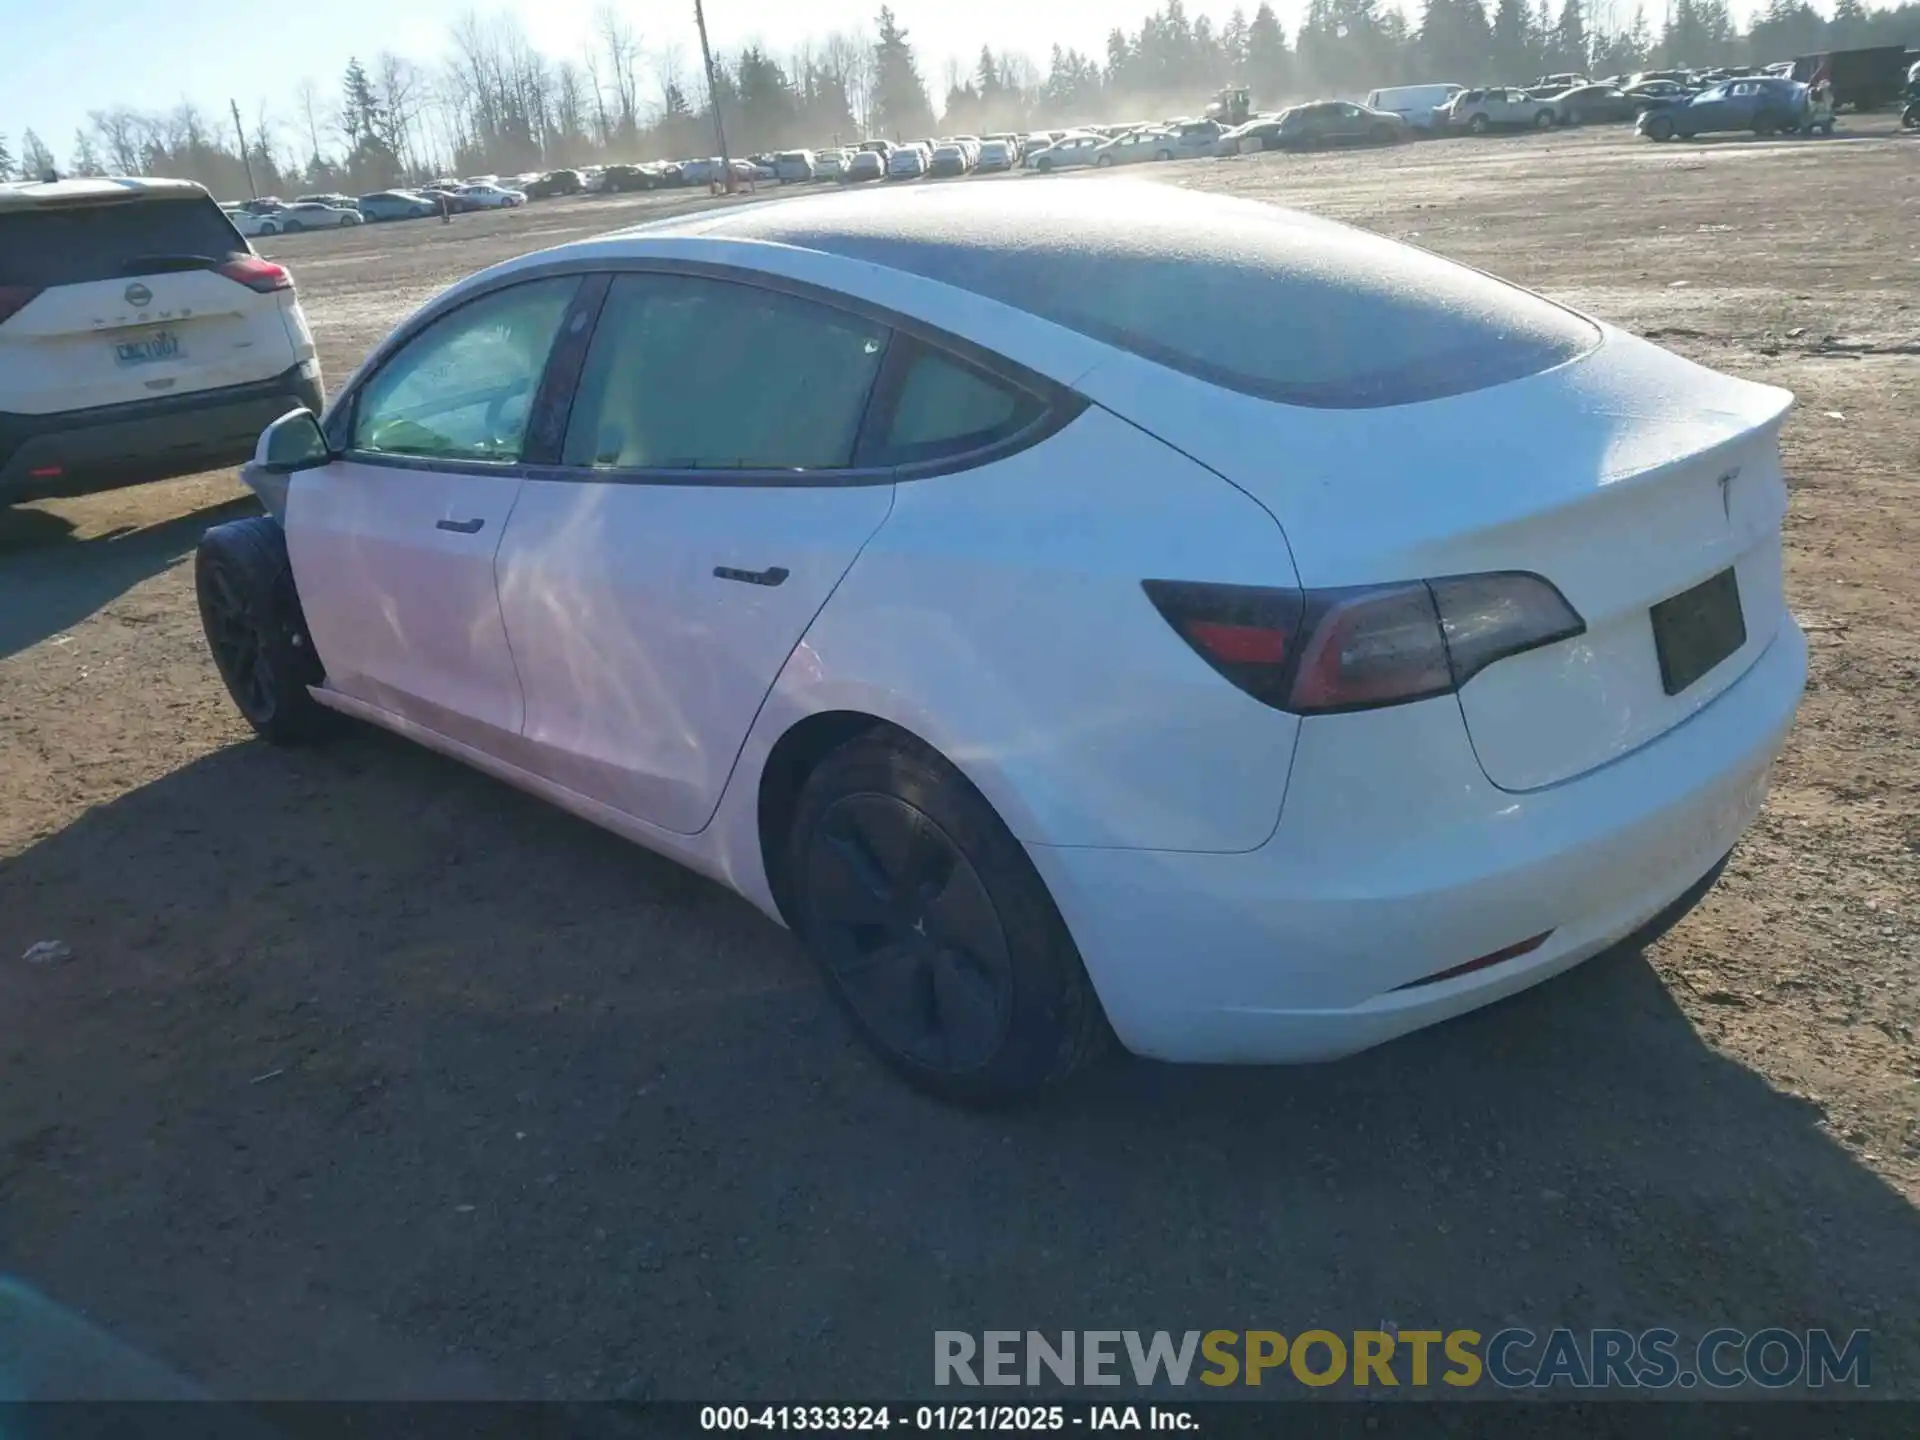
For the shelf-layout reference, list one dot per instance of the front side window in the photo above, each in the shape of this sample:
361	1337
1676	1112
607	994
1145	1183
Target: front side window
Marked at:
687	373
463	388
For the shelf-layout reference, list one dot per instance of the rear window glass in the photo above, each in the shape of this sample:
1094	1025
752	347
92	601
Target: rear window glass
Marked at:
1256	299
71	244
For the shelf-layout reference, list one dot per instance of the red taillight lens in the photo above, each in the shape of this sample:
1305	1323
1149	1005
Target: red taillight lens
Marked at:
1318	652
14	298
257	274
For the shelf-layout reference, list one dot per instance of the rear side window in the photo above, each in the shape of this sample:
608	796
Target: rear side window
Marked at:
74	244
687	373
944	407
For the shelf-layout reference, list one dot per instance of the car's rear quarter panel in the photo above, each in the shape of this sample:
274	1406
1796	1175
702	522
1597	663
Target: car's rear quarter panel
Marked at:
998	615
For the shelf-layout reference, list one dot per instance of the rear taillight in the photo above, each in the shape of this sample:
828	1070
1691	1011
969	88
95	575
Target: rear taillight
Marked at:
15	298
257	274
1317	652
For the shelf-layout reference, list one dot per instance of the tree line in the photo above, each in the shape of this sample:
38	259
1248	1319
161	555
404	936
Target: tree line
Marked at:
495	104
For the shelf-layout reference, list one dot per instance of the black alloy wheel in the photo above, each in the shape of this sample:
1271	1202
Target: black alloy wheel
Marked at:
909	934
234	634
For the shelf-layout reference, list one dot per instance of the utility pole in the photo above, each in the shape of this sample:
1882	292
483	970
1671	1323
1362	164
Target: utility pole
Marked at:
713	93
253	190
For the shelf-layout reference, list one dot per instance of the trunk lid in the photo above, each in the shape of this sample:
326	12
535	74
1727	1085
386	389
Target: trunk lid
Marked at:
1627	478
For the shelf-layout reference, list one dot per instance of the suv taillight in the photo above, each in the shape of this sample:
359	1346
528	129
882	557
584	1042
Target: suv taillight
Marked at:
1318	652
257	274
15	298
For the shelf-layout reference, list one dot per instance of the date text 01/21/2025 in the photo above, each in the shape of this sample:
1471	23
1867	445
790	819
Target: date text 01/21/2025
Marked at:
978	1419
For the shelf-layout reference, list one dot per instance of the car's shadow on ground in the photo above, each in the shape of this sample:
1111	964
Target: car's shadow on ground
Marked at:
50	579
365	1067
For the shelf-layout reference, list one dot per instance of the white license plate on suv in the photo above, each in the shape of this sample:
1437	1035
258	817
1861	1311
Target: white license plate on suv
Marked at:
148	349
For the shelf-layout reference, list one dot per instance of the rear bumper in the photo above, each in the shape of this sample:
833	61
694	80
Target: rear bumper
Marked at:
1395	860
147	439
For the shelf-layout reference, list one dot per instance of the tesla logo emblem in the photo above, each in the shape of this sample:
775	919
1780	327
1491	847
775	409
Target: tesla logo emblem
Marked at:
1726	493
139	296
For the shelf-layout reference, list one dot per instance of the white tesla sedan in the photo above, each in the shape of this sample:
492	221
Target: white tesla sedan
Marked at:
1063	607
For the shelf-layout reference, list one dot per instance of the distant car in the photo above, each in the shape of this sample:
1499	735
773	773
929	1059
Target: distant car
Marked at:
252	223
949	159
396	205
909	162
1650	91
1415	104
1132	149
882	148
1074	149
1190	138
555	183
1478	111
997	155
793	167
1338	122
863	165
1558	84
312	215
339	202
827	164
492	197
1594	105
617	178
1757	103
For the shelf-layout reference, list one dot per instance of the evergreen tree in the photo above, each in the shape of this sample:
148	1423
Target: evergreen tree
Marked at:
6	161
1511	46
36	160
86	156
1571	48
1233	45
1269	63
900	104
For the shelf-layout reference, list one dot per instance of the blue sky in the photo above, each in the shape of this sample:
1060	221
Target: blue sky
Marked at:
62	58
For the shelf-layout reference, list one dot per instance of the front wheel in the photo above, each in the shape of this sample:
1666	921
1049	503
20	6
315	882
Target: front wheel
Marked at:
1163	155
1543	121
256	632
933	929
1044	167
1105	162
1478	125
1383	135
294	227
1660	129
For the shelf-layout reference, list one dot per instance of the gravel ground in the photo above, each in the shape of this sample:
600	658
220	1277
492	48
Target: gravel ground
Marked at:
370	1077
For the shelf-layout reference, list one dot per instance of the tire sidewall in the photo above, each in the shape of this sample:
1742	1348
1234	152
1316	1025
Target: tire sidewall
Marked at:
1049	984
251	554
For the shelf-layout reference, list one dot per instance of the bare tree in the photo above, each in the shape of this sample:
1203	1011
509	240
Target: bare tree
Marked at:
306	95
401	86
118	132
848	58
621	50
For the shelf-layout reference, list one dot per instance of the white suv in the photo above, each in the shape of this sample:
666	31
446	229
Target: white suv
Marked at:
140	336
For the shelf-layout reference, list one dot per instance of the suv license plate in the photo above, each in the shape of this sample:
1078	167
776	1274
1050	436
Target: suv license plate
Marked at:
1697	629
160	345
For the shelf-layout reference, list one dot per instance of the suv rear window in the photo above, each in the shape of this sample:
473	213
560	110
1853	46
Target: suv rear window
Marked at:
1249	297
72	244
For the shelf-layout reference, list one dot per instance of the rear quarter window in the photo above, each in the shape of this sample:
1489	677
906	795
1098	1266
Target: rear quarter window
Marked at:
73	244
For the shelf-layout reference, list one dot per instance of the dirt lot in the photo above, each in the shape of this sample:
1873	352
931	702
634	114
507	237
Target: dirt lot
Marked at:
369	1076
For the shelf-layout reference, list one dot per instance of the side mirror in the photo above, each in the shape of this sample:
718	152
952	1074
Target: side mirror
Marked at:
293	442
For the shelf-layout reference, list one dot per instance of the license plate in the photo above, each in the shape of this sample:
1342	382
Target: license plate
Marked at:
160	345
1697	629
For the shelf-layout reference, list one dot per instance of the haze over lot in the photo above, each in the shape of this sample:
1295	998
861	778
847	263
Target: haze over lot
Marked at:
60	62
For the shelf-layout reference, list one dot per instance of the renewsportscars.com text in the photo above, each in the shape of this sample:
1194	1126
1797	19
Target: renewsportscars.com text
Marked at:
1513	1358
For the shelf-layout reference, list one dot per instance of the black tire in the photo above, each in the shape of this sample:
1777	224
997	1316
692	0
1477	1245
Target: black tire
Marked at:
1660	128
1384	135
933	929
293	227
1163	155
1105	162
1478	125
1543	121
1043	166
250	613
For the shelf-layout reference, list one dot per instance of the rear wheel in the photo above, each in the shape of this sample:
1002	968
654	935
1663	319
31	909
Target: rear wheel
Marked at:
1383	134
293	227
255	630
1543	121
1660	128
1478	125
933	928
1105	162
1163	155
1044	166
